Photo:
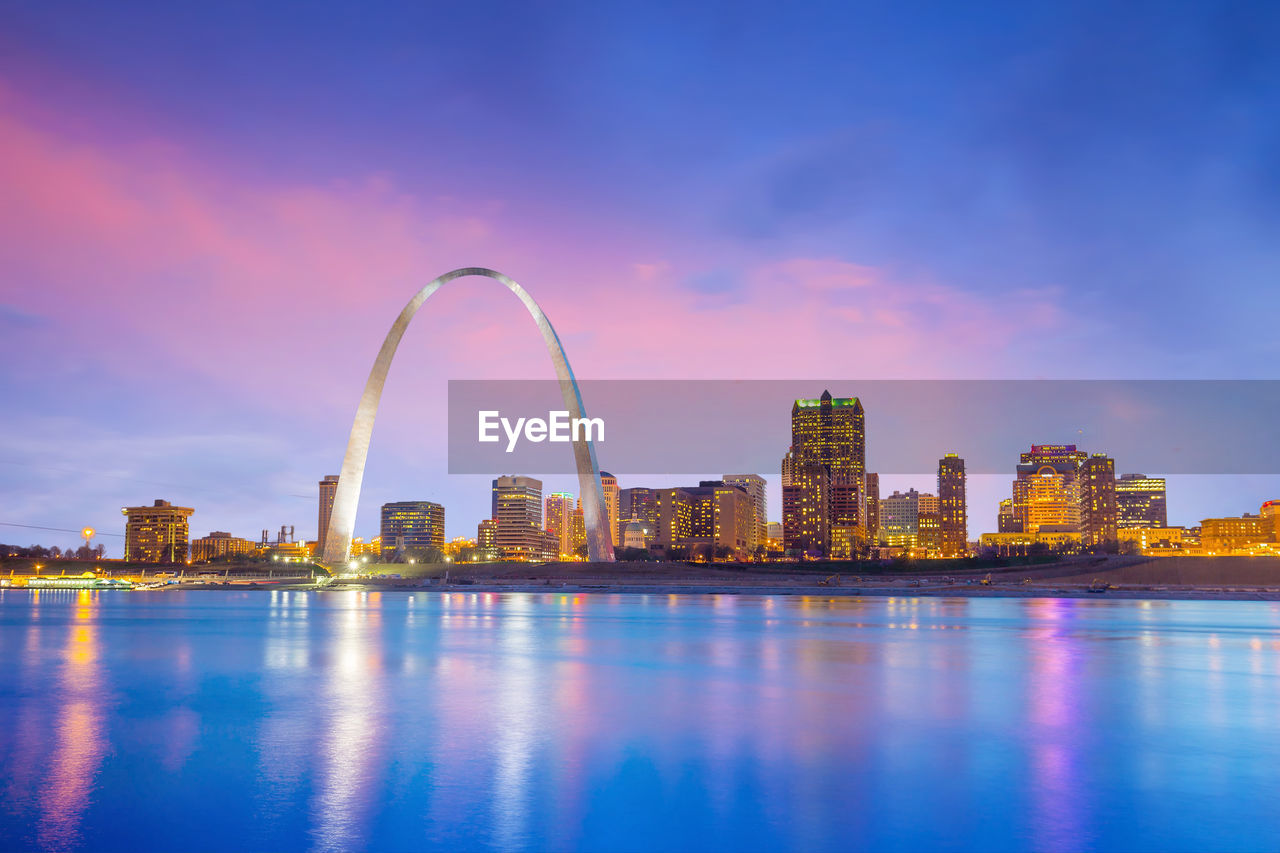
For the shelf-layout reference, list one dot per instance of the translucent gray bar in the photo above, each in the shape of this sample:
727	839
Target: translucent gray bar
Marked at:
1154	427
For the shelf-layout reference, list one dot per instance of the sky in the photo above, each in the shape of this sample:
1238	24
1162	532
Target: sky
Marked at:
211	213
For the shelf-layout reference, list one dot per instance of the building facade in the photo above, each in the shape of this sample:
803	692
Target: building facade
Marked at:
953	518
639	503
156	534
409	526
755	487
519	534
1140	502
559	522
1097	484
219	544
714	514
609	485
826	469
328	489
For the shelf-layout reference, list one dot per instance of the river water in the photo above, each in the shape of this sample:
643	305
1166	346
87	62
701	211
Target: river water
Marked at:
457	721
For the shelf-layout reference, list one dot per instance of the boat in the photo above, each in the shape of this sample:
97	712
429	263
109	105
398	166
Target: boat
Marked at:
88	580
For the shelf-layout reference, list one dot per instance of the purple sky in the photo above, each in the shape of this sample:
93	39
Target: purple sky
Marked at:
209	218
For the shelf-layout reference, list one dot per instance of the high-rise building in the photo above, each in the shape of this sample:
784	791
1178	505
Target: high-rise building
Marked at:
899	518
559	521
804	516
1046	492
328	489
1097	484
953	520
827	463
640	503
873	508
1140	502
409	526
713	513
754	485
156	534
609	485
519	534
219	544
579	533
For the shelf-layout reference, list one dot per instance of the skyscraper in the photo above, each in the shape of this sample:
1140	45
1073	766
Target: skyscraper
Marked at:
328	488
873	508
609	485
559	521
156	534
953	521
409	526
754	485
828	435
900	516
1046	492
519	535
1140	502
1097	479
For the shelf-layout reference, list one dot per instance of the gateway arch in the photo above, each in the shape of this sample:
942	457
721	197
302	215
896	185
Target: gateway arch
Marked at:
342	521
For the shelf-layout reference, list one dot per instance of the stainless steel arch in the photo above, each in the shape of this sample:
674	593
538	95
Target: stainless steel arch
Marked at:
342	521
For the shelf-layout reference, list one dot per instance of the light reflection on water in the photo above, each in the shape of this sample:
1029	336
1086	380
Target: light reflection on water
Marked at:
354	720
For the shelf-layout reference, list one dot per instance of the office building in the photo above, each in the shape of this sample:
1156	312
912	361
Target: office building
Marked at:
826	468
487	536
873	508
609	485
219	544
1006	520
755	487
900	515
156	534
409	527
1224	536
328	489
1097	485
715	517
1046	491
520	534
953	520
559	522
1140	502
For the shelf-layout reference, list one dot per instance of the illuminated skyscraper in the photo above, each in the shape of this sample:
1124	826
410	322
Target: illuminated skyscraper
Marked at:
1097	484
328	488
828	465
873	508
559	521
1007	521
1047	492
1140	502
609	484
519	534
953	520
409	526
754	485
156	534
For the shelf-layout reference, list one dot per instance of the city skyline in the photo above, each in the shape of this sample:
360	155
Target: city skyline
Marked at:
937	213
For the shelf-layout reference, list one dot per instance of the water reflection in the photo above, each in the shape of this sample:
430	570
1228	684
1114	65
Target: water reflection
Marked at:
79	744
351	726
